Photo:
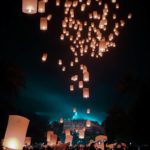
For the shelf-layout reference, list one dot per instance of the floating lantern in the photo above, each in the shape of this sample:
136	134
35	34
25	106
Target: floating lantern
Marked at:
59	62
49	134
43	23
57	2
88	111
49	17
129	16
27	141
80	84
74	110
69	139
63	68
29	6
86	93
16	132
44	57
61	120
53	140
67	132
88	123
81	134
71	87
41	6
86	76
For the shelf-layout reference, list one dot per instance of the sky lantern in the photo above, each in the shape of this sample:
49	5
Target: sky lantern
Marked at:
43	23
69	139
88	123
81	134
74	110
83	7
61	120
86	77
113	1
71	87
57	2
49	17
49	134
86	93
59	62
53	140
129	16
41	6
29	6
88	111
67	132
63	68
80	84
16	132
28	141
102	46
44	57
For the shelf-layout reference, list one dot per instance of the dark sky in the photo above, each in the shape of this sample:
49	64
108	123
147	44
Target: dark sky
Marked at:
46	92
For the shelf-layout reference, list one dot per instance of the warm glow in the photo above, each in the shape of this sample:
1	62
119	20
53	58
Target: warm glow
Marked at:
44	57
29	6
86	93
16	132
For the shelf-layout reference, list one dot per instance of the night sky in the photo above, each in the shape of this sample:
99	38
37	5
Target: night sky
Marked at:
46	92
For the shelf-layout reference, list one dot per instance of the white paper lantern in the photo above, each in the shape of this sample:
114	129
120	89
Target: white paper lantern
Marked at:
49	134
43	23
86	93
41	6
88	123
67	132
81	134
16	132
86	76
29	6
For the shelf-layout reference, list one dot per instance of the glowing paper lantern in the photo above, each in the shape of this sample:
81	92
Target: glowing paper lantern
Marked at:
53	140
80	84
16	132
102	46
129	16
71	87
74	110
41	6
69	139
44	57
49	134
88	123
67	132
29	6
61	120
86	93
57	2
63	68
59	62
43	23
27	141
49	17
86	76
88	111
81	134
